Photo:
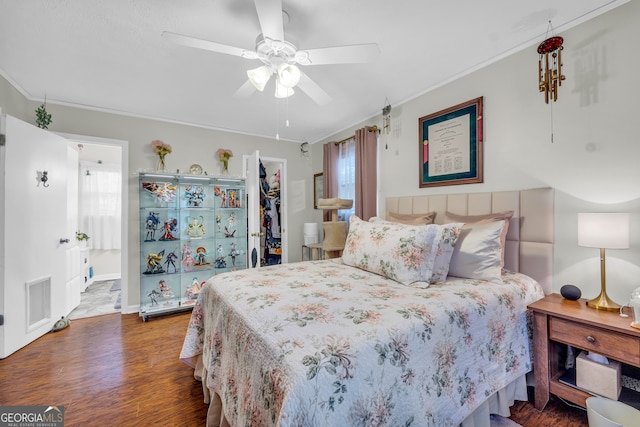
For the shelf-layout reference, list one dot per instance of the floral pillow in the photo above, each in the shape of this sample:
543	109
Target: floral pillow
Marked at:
445	244
404	253
444	251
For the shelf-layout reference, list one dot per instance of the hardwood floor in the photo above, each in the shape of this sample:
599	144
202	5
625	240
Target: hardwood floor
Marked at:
118	370
109	370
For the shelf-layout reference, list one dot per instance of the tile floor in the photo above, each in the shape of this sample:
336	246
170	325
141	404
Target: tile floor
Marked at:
99	298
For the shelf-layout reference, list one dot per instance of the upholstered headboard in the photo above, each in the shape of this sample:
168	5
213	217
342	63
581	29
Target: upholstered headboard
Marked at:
529	247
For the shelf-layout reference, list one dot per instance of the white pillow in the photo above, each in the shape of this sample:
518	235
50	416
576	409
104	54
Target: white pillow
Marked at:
404	253
478	252
412	219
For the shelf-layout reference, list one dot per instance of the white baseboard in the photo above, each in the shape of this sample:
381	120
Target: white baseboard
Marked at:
102	277
131	309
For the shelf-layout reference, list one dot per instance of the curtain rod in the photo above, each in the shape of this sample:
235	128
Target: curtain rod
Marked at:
373	128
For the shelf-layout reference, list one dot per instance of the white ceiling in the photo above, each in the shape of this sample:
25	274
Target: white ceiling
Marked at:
109	55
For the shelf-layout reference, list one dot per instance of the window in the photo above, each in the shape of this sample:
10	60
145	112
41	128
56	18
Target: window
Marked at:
347	177
99	200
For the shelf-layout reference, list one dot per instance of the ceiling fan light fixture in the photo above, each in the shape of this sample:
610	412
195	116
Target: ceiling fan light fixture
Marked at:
288	75
283	91
259	77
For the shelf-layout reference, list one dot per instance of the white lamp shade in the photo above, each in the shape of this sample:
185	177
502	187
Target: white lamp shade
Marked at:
288	75
259	77
603	230
283	91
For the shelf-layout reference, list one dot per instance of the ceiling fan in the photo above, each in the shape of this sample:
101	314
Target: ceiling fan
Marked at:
280	57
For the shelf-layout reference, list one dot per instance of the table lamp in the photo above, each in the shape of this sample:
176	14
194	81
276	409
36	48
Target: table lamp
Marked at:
604	231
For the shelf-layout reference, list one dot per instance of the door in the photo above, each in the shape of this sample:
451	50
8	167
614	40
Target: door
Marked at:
254	189
33	186
251	172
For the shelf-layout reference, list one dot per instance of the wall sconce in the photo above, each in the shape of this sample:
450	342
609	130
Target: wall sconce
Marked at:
550	76
43	178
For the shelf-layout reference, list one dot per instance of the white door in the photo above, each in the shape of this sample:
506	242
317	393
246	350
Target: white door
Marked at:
33	292
252	174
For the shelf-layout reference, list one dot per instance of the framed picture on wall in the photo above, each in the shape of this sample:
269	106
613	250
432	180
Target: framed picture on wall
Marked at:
450	145
317	189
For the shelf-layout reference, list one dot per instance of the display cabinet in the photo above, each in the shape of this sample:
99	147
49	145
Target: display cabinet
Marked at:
191	228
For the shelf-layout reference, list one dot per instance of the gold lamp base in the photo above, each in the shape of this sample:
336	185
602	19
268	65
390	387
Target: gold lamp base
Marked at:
603	302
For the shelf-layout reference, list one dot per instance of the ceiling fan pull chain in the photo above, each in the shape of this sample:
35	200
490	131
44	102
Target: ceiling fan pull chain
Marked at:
287	106
277	120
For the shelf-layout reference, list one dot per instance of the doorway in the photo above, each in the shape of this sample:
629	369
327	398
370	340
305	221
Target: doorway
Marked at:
266	179
102	191
271	208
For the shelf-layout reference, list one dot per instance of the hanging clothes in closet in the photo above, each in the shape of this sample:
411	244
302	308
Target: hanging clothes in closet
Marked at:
271	253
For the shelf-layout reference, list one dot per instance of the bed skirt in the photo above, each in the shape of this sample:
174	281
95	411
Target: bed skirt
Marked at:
498	404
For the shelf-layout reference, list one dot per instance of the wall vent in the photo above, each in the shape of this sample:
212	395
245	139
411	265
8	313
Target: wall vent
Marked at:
38	303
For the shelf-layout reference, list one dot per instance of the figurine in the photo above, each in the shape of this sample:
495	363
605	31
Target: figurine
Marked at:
195	195
220	262
191	292
154	265
154	297
218	221
187	258
234	253
165	291
195	227
168	228
164	192
201	254
152	223
230	229
219	193
171	260
232	198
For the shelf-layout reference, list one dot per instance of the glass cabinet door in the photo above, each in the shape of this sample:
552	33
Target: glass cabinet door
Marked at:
191	228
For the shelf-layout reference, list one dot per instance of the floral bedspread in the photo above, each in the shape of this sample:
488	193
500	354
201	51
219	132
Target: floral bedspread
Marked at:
321	343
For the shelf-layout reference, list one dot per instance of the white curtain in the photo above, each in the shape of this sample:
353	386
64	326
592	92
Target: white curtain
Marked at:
347	177
99	201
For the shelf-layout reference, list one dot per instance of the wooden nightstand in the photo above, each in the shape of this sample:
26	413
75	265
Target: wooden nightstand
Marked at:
558	322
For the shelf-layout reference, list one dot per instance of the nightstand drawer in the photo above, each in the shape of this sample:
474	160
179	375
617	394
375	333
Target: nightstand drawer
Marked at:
621	347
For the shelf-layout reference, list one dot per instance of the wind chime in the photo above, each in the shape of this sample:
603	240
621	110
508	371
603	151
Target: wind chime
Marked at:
386	117
550	75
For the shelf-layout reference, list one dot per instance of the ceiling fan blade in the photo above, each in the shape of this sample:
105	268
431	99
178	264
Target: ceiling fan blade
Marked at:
313	91
206	45
353	54
270	17
245	91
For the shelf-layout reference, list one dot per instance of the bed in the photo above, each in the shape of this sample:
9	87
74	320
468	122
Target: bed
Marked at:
337	342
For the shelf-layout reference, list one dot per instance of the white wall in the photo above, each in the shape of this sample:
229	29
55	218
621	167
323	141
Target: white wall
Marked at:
592	163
